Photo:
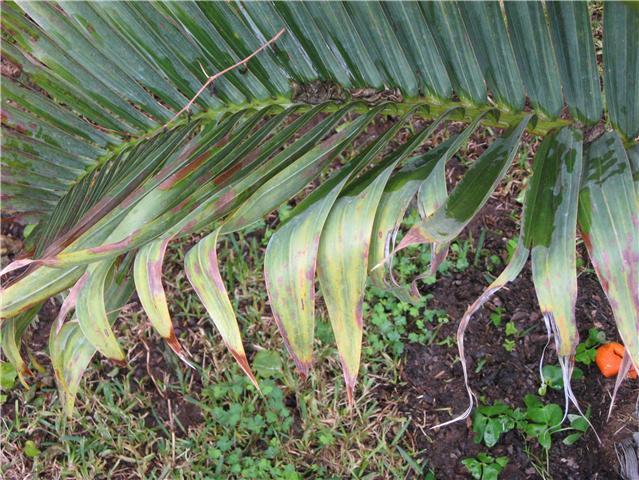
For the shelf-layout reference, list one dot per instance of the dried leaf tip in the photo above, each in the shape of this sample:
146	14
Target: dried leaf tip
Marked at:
240	358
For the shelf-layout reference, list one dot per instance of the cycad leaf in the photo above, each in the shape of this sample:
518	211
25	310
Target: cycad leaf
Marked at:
343	267
291	257
470	194
535	55
147	272
487	31
69	349
572	41
92	315
456	50
11	339
551	222
609	224
203	272
621	66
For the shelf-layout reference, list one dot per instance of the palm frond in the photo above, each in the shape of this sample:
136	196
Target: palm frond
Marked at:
92	154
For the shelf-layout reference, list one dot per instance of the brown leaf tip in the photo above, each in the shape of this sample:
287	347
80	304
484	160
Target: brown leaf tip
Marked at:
182	353
240	358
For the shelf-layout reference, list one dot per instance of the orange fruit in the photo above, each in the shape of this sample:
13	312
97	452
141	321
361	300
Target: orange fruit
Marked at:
609	358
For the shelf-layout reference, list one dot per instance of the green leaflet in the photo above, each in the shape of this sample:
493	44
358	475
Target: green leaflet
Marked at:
456	51
487	31
400	189
535	55
621	66
147	272
470	194
633	157
373	27
556	171
417	41
572	41
288	182
551	221
431	195
341	35
609	224
69	349
203	272
11	339
343	267
311	38
92	315
291	257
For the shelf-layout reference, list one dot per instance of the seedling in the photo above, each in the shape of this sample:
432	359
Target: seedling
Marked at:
553	378
491	422
538	421
485	467
587	350
496	316
511	331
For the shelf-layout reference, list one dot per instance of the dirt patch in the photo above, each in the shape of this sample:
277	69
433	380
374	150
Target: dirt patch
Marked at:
434	391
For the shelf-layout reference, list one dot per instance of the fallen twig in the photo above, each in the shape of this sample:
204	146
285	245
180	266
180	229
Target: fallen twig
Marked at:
219	74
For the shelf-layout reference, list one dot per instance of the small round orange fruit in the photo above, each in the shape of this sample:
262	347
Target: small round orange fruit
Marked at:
609	358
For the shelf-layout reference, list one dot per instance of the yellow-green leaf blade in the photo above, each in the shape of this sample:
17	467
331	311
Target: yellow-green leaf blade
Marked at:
470	194
92	315
343	267
203	272
147	273
551	221
609	224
